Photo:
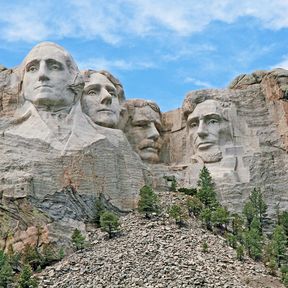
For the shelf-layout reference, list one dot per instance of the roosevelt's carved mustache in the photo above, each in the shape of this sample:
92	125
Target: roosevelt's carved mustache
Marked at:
147	143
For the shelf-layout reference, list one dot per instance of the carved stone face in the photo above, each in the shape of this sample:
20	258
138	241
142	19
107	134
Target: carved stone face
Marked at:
143	133
100	101
208	130
47	78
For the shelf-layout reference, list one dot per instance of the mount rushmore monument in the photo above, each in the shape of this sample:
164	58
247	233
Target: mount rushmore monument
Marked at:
70	137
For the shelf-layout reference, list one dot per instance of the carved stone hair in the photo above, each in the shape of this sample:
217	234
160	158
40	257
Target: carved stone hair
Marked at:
192	99
119	88
131	104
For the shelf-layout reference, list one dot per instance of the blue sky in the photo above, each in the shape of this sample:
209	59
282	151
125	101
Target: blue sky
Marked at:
159	49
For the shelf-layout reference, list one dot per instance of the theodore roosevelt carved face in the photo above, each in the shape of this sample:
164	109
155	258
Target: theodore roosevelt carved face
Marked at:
102	97
49	74
208	130
143	129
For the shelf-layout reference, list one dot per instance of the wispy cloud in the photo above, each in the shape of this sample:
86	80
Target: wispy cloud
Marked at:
198	83
102	63
283	64
113	21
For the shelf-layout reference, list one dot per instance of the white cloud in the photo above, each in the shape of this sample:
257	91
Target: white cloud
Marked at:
283	64
198	83
112	21
120	64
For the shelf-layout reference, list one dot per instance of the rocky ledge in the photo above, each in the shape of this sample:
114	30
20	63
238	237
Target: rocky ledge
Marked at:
156	253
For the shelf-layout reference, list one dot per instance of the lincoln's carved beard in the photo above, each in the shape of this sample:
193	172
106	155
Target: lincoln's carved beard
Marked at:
211	156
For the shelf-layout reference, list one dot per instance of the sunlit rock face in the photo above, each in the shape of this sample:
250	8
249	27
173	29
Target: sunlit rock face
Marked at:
69	138
56	159
238	134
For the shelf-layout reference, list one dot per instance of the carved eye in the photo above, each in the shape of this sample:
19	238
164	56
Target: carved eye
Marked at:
193	124
55	67
32	68
213	121
92	92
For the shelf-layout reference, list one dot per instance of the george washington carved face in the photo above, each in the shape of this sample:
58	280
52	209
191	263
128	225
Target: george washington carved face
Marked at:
48	74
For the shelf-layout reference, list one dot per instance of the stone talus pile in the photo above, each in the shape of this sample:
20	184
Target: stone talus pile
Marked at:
156	253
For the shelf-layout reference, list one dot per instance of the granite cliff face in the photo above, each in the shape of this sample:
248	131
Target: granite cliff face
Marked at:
69	138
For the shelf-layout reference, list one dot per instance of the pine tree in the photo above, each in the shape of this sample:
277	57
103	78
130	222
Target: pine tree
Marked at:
283	220
220	218
256	198
78	239
177	213
205	216
240	252
148	202
206	192
249	212
253	240
109	222
278	244
25	278
194	206
99	209
6	271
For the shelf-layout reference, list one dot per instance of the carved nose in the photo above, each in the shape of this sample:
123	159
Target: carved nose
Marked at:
43	75
153	132
106	98
202	130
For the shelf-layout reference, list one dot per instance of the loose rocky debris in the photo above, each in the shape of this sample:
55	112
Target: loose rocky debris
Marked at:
156	254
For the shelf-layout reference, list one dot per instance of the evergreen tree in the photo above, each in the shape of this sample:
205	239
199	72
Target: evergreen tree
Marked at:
109	222
194	206
220	218
148	202
278	244
6	271
25	278
205	216
237	223
173	187
256	198
283	220
78	239
253	240
249	212
240	252
99	209
177	213
206	192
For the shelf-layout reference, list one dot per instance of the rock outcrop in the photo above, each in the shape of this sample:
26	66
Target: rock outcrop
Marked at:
157	253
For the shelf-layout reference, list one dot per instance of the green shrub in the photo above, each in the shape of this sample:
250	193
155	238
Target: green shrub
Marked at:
78	239
206	192
240	252
109	222
194	205
148	202
188	191
25	278
6	272
177	213
205	247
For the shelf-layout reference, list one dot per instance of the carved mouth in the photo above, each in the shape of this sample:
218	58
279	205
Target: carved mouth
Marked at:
105	110
150	149
205	145
42	86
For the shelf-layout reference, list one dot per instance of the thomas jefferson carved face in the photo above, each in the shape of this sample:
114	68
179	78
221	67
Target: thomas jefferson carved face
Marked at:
47	77
100	101
208	130
143	133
